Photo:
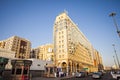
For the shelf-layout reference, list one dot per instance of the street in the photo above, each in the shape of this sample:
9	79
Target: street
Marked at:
106	76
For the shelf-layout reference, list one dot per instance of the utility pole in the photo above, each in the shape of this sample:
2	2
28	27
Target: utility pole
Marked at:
116	55
114	20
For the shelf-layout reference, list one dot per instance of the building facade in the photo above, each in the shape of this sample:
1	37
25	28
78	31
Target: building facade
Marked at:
73	52
20	46
10	54
44	52
98	64
2	44
34	53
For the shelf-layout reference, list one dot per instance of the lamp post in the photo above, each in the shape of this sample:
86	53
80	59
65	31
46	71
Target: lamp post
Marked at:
116	55
114	20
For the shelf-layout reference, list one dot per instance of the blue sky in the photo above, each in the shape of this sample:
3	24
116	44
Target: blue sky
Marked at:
34	20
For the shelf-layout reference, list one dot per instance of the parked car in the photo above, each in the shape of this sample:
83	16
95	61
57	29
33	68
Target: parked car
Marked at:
96	75
90	73
80	74
101	73
116	75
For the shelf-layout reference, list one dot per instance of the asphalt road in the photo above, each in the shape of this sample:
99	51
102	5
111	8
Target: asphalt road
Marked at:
106	76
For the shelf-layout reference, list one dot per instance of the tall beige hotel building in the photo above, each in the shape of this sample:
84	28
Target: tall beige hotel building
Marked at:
73	51
20	46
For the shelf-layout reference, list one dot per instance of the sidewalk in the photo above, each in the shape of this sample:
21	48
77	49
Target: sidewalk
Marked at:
57	78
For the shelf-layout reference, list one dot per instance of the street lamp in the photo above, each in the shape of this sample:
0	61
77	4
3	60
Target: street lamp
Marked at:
116	55
112	15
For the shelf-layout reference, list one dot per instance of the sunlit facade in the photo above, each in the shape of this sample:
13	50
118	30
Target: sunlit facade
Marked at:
2	44
20	46
98	64
73	52
45	52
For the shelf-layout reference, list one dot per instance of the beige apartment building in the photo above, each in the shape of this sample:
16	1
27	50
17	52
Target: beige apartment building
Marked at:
73	51
20	46
44	52
98	64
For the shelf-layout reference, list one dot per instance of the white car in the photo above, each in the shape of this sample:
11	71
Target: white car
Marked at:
80	74
116	75
96	75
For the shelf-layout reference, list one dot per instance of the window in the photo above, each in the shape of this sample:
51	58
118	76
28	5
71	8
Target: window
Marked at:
63	56
59	56
18	71
56	30
46	69
63	50
62	46
59	46
25	71
59	33
51	70
59	50
13	70
59	41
